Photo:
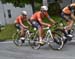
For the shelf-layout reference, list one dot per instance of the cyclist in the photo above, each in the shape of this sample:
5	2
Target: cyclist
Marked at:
37	21
68	15
19	22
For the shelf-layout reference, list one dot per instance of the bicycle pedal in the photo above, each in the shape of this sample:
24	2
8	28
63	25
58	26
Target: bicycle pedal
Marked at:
70	35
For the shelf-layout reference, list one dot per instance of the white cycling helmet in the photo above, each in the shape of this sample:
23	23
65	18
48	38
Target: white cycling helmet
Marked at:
45	8
24	13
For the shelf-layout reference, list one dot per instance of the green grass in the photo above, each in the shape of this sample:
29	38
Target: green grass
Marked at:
7	33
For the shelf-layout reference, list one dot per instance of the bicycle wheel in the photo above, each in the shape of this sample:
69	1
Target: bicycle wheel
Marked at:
57	42
16	39
33	42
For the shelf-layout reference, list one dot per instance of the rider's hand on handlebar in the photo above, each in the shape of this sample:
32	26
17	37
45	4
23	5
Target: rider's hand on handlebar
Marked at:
49	25
26	27
55	23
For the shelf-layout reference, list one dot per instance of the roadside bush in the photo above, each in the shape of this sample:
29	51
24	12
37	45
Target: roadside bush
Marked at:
54	8
37	6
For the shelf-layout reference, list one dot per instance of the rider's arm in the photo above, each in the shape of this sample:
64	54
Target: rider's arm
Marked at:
29	22
72	15
21	23
72	12
50	19
41	22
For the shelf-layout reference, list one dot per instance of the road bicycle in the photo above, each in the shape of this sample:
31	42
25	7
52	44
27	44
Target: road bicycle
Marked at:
52	38
17	39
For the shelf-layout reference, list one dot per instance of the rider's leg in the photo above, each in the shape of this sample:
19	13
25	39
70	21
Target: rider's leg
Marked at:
69	21
67	30
22	34
39	27
18	26
70	24
40	30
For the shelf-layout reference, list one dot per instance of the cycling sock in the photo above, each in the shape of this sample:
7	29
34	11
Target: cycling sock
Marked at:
22	38
40	39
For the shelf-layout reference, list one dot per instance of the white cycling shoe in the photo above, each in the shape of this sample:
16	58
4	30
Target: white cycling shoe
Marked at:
69	35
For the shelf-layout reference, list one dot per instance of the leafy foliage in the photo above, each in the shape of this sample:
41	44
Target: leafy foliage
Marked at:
54	8
20	3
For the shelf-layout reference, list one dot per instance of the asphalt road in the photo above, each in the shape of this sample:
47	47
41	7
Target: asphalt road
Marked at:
9	51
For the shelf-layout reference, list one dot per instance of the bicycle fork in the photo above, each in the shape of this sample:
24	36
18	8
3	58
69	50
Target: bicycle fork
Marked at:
50	34
49	31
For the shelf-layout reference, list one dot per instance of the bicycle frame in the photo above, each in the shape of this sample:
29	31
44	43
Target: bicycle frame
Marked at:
48	34
28	34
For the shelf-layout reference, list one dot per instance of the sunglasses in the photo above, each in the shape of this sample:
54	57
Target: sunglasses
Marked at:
44	11
24	15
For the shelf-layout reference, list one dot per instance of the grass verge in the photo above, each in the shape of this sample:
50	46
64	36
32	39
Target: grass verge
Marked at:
6	33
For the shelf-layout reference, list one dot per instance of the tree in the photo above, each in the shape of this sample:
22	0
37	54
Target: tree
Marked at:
21	3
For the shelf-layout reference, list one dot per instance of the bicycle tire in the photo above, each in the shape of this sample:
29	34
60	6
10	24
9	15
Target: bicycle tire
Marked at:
16	39
58	42
34	43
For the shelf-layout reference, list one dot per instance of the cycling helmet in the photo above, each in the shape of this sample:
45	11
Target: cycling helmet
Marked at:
24	13
45	8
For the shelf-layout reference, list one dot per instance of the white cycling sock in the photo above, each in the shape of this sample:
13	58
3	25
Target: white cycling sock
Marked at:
22	38
70	35
40	38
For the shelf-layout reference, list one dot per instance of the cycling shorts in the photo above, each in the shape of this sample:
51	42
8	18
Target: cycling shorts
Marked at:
35	24
66	17
18	26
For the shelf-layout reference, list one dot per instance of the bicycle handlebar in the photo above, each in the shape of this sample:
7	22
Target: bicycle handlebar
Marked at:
46	28
43	28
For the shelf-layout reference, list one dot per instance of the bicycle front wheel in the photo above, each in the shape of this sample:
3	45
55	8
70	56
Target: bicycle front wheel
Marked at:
33	42
57	43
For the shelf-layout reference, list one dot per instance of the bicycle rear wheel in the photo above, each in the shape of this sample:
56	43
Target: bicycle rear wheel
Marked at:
57	43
